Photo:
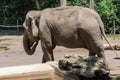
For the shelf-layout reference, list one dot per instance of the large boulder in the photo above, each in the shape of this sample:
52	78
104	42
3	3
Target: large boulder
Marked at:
92	68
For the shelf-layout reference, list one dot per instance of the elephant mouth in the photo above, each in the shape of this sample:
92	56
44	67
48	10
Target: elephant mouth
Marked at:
32	45
35	39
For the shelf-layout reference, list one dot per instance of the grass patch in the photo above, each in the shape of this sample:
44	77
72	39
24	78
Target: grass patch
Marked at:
112	37
3	48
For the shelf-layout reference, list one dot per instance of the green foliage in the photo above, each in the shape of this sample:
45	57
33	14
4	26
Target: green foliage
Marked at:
13	10
107	10
113	37
117	4
49	3
78	3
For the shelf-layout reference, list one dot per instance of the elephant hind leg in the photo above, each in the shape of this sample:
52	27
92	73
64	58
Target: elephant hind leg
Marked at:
101	55
91	53
99	51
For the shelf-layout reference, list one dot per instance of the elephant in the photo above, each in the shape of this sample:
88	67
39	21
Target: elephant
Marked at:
70	26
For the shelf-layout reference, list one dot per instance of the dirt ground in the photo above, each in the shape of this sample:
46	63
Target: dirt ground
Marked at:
15	55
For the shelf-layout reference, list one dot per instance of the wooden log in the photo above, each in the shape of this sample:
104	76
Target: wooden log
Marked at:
116	46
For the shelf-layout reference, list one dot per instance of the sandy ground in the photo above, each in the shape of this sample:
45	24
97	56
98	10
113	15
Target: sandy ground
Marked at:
16	56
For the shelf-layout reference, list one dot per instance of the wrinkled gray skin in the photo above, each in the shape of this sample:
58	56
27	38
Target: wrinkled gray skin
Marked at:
30	38
71	27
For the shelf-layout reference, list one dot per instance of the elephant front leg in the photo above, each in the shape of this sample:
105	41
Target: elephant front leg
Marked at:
47	52
44	59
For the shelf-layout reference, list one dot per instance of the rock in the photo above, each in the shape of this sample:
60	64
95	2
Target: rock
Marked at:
86	67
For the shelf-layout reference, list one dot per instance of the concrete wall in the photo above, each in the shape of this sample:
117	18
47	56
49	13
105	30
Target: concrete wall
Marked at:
47	71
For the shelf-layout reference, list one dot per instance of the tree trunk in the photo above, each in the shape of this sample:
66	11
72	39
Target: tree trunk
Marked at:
37	4
92	4
63	2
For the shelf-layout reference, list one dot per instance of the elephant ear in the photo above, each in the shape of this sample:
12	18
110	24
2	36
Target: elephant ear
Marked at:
27	24
31	26
35	25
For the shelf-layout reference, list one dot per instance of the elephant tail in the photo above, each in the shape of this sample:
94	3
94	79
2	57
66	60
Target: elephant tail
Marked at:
104	35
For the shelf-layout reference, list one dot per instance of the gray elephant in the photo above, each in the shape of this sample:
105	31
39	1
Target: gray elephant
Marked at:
71	27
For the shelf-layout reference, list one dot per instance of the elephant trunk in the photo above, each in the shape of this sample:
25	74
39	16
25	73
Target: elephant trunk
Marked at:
29	47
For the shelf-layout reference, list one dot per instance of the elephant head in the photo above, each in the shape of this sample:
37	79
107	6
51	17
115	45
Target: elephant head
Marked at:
31	36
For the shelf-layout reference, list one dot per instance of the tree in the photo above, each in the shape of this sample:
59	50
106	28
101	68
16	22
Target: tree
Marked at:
13	10
117	12
92	4
63	2
78	3
107	10
37	4
49	4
